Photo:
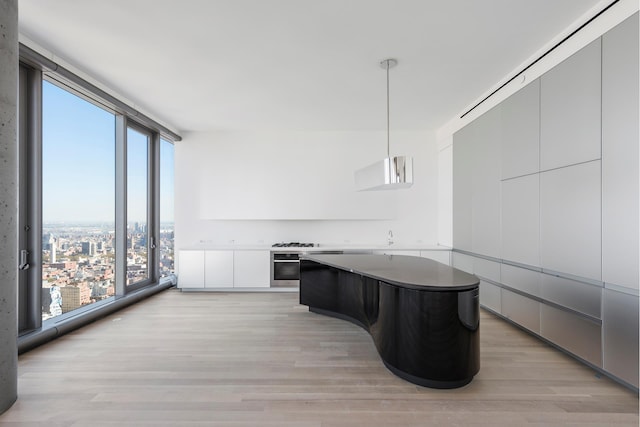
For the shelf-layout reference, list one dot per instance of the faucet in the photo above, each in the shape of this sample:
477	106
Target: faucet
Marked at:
390	238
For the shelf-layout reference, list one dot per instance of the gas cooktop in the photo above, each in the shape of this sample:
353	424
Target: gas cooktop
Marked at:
293	245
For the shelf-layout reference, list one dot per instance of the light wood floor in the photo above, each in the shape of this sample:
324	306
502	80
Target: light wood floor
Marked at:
212	359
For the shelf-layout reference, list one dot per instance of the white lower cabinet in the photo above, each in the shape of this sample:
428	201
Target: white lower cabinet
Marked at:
221	269
218	269
191	269
251	269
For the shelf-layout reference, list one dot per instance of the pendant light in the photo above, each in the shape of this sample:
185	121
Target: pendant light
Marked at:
391	173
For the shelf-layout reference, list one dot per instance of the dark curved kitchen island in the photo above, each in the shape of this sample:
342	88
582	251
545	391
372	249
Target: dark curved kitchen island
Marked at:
423	316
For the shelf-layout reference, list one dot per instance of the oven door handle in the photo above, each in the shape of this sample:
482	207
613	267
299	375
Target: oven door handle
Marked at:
285	260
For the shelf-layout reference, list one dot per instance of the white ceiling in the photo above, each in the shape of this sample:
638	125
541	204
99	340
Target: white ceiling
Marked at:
297	64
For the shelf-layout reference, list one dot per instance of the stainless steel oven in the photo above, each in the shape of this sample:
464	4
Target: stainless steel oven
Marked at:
285	269
285	262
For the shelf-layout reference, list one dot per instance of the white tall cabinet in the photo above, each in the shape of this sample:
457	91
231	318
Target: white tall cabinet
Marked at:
570	109
620	193
620	155
546	204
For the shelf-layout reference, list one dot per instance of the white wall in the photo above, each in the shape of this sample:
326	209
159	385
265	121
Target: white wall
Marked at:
265	187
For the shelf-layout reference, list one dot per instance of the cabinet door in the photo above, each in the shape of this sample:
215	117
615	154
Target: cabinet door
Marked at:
570	107
577	334
218	269
462	262
620	335
441	256
490	296
463	164
578	296
486	269
570	220
521	132
251	269
191	269
520	225
522	279
620	155
522	310
485	201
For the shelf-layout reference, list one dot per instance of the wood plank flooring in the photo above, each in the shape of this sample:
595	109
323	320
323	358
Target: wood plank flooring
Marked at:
258	359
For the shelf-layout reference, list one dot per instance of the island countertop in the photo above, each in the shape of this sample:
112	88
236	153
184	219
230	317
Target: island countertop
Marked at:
405	271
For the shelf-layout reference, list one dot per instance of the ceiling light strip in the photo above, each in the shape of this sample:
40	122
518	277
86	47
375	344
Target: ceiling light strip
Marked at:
540	57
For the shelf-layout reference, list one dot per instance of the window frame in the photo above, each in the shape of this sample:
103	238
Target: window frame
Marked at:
33	70
153	201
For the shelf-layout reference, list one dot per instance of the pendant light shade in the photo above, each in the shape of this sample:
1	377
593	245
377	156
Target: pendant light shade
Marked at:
391	173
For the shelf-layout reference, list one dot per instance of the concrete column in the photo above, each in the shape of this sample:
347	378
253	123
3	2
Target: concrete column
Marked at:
8	203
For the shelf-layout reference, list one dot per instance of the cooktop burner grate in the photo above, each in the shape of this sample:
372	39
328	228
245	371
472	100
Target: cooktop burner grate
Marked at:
293	245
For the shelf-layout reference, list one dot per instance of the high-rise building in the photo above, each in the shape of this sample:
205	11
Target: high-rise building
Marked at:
52	253
49	244
88	248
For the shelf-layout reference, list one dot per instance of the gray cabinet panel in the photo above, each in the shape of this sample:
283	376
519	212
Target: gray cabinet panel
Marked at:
463	165
579	296
522	279
490	296
520	225
462	262
620	137
485	203
570	106
578	335
570	239
522	310
486	269
440	256
521	132
620	335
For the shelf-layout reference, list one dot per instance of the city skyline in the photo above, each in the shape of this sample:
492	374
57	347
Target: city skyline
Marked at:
78	203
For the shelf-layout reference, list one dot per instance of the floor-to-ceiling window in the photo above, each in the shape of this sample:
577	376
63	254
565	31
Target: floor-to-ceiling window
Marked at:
90	184
78	193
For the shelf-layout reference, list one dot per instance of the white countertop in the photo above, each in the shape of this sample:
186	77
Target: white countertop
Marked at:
323	247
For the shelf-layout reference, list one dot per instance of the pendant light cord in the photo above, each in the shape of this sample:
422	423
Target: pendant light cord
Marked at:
388	152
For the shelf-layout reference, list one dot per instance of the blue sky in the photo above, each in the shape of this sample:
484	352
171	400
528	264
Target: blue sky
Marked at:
78	163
